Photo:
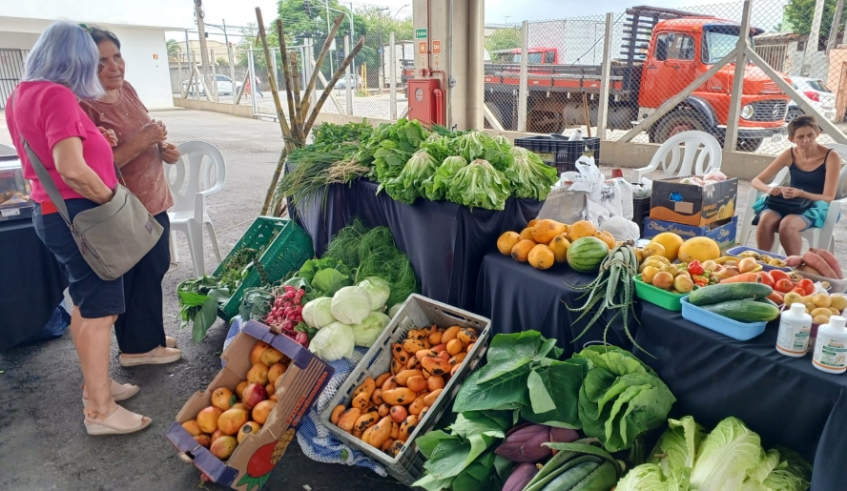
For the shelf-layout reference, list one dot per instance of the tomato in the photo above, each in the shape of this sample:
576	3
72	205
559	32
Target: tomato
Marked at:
767	279
807	285
799	291
779	275
783	285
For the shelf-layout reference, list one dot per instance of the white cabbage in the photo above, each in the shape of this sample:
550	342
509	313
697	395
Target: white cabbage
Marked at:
350	305
333	342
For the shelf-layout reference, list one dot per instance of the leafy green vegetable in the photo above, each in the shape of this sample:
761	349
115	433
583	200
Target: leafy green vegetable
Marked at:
480	185
312	266
390	147
530	176
256	304
333	342
367	331
436	186
408	186
620	397
726	456
649	477
199	299
330	281
479	145
680	443
378	290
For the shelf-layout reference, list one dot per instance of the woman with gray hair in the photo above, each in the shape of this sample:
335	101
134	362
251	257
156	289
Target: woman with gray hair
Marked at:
43	112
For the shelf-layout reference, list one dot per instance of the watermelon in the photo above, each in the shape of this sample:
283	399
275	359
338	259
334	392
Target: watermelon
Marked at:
586	254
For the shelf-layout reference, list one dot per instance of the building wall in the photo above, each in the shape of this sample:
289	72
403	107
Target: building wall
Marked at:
17	40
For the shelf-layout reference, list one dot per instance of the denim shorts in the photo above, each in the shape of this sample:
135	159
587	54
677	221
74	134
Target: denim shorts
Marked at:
94	297
809	222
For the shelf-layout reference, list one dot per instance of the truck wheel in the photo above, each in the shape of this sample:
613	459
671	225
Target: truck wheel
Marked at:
677	122
748	144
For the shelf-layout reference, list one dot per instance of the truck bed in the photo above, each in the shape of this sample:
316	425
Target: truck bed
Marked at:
505	77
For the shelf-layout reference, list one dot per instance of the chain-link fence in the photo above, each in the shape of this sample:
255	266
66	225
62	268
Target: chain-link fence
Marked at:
656	54
363	90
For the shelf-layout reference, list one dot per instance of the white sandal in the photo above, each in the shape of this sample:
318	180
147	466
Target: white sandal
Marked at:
120	422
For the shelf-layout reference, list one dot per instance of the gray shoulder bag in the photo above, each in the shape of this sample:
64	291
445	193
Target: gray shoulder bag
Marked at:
112	237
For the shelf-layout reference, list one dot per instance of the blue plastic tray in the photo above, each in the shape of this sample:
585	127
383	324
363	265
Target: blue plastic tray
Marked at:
742	331
735	251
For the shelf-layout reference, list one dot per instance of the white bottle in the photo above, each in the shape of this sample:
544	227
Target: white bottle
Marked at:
795	326
831	346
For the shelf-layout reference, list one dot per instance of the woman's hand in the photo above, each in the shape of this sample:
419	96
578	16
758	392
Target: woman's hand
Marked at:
109	135
154	132
776	191
170	153
789	193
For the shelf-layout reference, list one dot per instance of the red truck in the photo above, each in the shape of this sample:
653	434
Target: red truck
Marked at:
663	51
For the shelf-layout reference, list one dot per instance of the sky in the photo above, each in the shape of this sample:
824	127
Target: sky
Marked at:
496	11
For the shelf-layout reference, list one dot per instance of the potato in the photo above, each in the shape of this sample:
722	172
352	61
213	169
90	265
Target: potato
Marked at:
376	398
435	383
467	335
454	347
834	311
435	366
399	413
821	319
390	383
347	420
361	401
430	398
416	383
821	300
405	375
382	378
381	432
365	421
821	311
336	413
450	334
407	428
398	396
384	410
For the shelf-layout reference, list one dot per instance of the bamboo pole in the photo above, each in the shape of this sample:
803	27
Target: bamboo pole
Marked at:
286	131
286	73
324	51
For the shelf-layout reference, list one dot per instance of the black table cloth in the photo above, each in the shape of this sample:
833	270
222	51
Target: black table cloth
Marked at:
445	242
517	297
785	400
32	283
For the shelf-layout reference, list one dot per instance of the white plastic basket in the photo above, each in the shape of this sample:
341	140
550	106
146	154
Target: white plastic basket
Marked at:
417	312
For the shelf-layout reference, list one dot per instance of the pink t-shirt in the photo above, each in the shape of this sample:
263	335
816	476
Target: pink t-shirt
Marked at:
45	113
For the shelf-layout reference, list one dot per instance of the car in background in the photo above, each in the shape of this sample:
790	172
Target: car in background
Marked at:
816	93
224	85
341	83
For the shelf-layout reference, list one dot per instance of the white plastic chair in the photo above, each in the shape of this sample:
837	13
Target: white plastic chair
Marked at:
7	150
816	237
201	171
682	159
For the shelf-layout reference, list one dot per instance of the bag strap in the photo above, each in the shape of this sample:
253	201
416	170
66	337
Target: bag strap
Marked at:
44	176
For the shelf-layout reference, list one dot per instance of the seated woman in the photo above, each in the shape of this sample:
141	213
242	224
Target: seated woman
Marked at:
813	171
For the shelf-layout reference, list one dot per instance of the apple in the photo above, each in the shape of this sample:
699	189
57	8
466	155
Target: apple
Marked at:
253	394
256	352
207	419
248	428
223	447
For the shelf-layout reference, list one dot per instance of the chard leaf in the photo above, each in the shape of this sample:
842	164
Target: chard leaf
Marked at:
508	352
503	393
431	483
539	397
427	443
562	381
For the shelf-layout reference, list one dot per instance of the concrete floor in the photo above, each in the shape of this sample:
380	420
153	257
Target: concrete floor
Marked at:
43	444
42	440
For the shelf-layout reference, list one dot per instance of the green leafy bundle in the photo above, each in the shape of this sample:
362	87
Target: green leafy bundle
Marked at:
390	147
620	397
436	186
530	177
439	146
479	145
731	457
372	252
199	299
325	276
479	185
409	185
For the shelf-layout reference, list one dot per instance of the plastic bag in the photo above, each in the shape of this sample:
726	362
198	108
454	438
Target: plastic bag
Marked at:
621	228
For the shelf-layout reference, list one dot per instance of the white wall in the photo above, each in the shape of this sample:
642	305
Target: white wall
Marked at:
17	40
178	14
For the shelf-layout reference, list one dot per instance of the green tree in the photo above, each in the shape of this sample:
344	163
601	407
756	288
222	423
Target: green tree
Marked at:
503	38
174	49
800	13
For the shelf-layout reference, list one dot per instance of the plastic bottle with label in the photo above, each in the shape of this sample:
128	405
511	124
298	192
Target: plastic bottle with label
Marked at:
795	325
831	346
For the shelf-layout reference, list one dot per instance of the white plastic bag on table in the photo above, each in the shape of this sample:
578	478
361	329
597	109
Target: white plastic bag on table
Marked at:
621	228
563	205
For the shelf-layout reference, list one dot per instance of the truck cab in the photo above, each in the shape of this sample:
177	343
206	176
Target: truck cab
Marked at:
679	52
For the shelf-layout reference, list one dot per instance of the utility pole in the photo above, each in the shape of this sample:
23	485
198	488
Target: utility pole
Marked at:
204	55
814	38
231	55
836	23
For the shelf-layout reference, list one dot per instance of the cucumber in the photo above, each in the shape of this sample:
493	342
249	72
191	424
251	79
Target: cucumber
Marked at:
747	310
710	295
566	481
767	301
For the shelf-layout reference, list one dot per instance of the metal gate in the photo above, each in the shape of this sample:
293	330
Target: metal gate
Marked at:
11	72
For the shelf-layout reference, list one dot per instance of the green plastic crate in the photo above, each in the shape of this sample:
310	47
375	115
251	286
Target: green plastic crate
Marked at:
283	253
663	298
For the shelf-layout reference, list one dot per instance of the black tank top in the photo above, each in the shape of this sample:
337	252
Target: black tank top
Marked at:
810	181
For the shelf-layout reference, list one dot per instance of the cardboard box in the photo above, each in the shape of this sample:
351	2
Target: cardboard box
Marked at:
691	204
722	232
303	381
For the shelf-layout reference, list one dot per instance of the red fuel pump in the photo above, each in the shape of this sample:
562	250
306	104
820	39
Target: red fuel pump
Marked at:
426	101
